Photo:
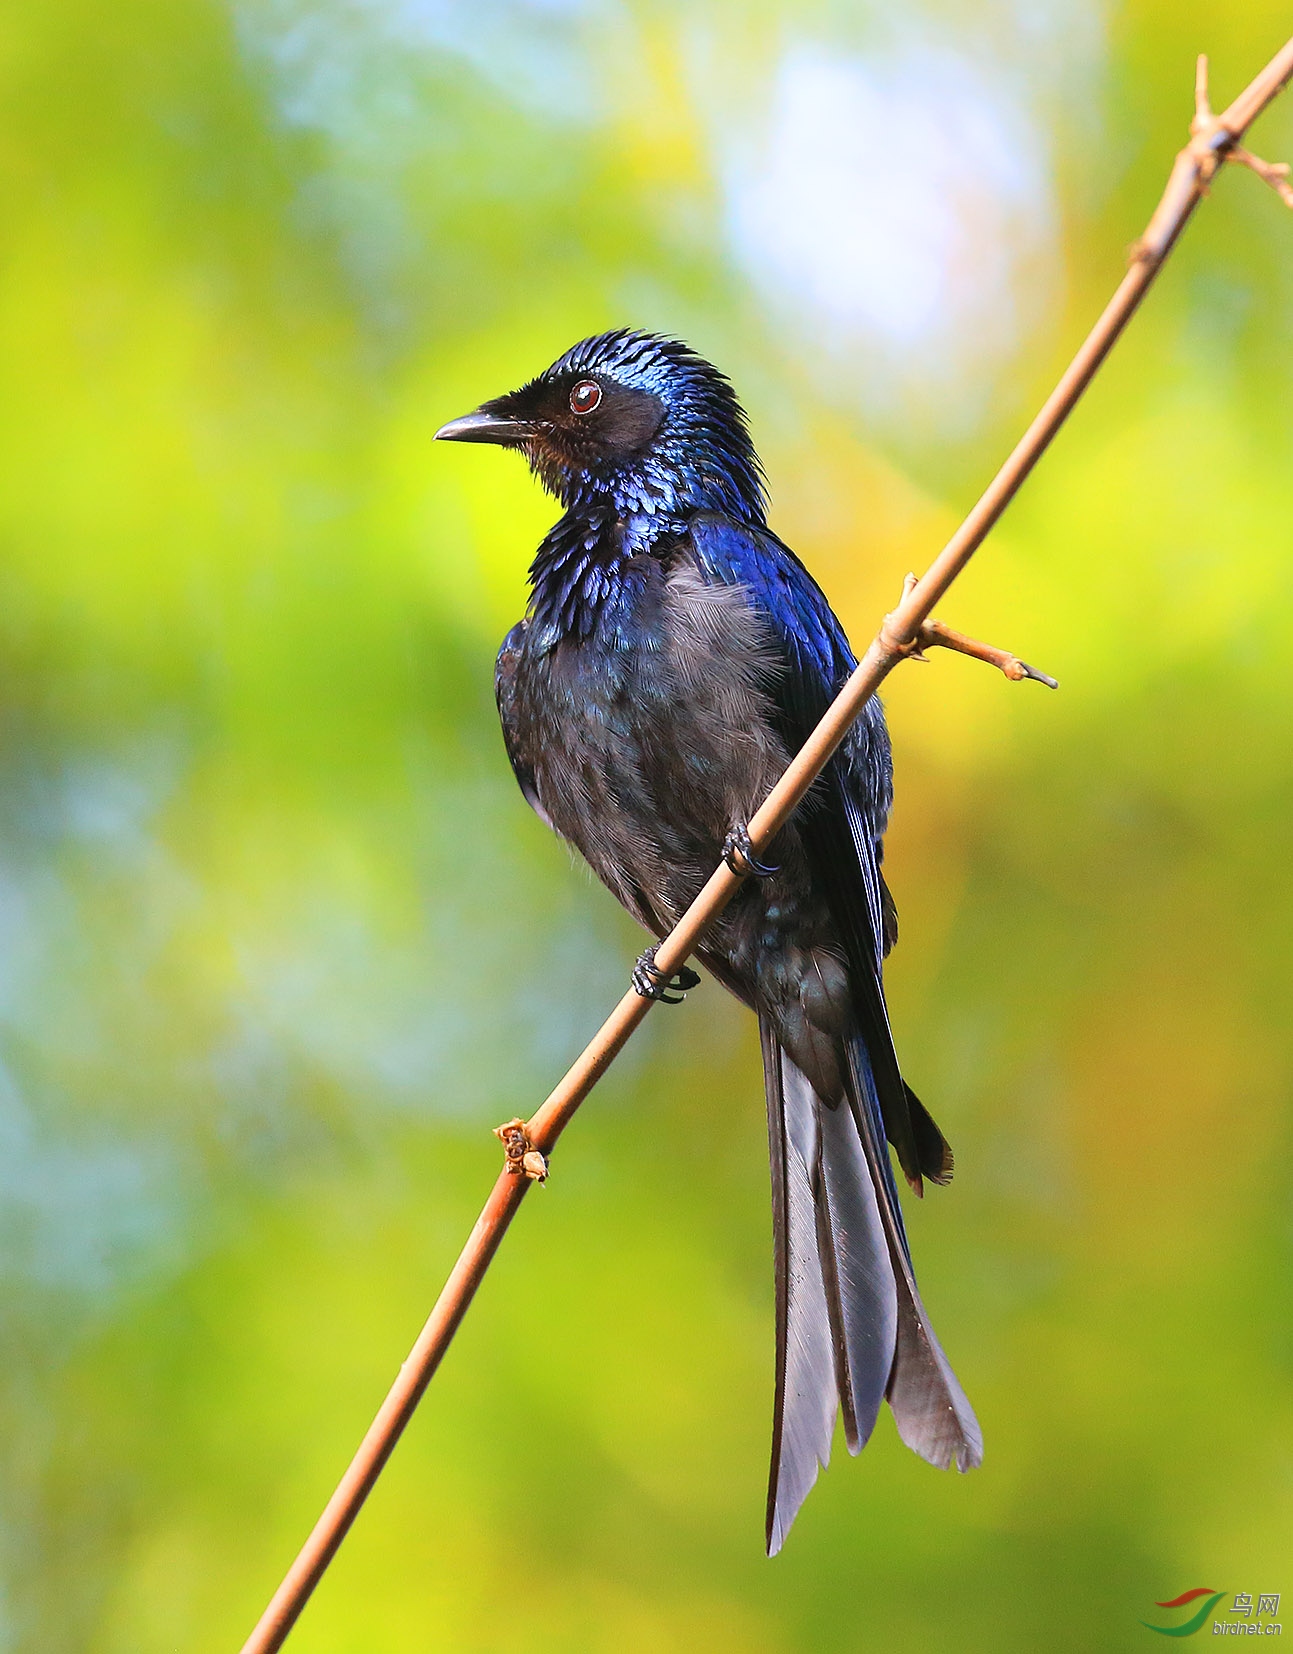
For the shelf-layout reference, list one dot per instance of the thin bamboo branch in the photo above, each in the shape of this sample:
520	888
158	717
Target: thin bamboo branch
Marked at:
1213	140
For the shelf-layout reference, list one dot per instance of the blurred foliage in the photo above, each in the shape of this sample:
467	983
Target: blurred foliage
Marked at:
279	941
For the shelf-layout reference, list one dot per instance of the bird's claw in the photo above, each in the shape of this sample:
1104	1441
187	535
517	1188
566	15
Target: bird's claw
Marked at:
652	983
739	855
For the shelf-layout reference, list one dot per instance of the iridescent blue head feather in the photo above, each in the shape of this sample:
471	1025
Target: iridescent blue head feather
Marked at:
632	425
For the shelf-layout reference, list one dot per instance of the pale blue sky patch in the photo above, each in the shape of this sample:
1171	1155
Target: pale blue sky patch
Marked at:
351	68
82	1211
898	208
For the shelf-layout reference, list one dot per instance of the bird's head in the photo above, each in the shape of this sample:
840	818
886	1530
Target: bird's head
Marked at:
629	421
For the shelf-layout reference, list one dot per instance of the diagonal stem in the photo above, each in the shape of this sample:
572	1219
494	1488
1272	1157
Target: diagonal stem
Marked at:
1212	138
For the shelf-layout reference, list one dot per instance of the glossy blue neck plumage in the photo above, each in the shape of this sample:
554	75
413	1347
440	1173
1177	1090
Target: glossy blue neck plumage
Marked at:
700	459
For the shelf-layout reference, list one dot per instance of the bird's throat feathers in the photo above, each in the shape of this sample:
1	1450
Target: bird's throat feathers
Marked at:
669	440
585	572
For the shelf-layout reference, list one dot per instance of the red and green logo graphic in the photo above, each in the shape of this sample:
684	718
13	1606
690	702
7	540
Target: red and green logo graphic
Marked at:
1196	1621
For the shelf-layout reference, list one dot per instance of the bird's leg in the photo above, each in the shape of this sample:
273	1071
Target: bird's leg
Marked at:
738	853
652	983
933	634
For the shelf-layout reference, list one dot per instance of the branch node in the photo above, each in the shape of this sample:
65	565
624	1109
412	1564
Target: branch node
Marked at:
1212	142
523	1159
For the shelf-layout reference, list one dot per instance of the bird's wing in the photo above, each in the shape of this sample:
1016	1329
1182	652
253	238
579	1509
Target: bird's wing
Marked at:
505	694
843	829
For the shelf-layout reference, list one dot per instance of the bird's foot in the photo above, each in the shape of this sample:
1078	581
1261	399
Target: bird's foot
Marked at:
652	983
738	853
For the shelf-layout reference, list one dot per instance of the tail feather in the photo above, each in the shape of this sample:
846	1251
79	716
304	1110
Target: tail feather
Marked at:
933	1150
851	1329
804	1409
837	1303
932	1412
855	1253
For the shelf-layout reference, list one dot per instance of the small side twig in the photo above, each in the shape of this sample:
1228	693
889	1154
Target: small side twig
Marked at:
1274	173
933	634
1213	138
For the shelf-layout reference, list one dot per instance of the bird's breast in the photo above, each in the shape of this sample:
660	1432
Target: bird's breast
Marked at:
662	712
645	741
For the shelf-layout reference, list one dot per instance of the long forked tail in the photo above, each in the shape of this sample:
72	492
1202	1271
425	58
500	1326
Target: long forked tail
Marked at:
851	1329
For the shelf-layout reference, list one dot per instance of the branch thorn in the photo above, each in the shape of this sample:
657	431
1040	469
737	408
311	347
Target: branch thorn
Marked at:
1202	108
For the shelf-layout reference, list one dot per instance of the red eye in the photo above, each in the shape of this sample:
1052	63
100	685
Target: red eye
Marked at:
585	396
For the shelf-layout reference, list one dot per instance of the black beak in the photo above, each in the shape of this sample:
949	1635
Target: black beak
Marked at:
485	426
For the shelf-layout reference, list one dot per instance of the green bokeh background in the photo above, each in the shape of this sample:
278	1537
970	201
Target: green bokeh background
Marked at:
279	941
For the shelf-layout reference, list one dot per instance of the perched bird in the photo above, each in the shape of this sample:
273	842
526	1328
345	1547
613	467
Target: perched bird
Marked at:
673	656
